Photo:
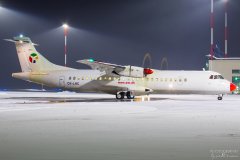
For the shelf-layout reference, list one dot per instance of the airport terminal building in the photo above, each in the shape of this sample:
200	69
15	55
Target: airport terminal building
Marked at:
229	68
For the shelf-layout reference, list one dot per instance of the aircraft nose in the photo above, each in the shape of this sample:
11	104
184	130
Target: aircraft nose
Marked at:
233	87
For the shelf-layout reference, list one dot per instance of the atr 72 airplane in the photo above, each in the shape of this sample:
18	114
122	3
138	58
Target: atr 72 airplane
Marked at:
122	81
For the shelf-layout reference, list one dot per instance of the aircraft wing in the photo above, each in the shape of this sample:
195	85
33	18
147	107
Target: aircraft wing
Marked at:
102	66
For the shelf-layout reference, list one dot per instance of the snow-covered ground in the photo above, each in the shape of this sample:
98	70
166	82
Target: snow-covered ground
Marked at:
73	126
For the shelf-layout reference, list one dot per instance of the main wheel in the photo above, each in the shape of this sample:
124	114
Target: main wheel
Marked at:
120	95
130	95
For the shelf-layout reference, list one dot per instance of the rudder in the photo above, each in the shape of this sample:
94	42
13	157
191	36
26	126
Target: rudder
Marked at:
30	59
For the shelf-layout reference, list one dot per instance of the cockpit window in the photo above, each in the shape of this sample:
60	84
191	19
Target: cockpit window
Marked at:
216	77
221	77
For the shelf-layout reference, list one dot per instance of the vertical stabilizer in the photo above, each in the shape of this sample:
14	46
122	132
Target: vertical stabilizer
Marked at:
30	59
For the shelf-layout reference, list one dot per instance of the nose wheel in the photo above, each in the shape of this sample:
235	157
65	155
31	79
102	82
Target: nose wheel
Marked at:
220	97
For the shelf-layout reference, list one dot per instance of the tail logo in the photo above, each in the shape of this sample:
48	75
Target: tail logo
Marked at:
33	58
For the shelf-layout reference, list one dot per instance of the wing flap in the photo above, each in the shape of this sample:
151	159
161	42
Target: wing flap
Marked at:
102	66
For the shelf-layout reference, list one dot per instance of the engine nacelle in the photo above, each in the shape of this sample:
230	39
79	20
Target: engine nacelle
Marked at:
137	72
147	71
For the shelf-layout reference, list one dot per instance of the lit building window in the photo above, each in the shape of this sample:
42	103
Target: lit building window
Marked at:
236	79
235	71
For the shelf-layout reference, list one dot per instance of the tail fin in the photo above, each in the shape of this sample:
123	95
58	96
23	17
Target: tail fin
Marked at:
31	60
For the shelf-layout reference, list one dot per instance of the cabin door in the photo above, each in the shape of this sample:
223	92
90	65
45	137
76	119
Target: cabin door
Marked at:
62	81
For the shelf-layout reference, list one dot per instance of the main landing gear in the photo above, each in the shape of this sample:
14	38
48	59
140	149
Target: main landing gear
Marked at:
220	97
122	94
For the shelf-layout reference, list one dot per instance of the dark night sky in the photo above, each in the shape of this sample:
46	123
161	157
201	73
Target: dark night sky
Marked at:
116	32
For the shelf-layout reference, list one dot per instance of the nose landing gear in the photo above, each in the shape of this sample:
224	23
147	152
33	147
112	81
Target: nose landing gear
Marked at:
220	97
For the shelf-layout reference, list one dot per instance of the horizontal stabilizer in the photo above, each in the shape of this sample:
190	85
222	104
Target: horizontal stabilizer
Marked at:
21	40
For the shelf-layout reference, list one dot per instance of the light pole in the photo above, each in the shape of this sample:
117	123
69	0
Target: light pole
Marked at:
226	28
211	25
65	27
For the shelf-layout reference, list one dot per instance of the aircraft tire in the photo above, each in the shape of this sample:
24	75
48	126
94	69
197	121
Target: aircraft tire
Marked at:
219	98
130	95
120	95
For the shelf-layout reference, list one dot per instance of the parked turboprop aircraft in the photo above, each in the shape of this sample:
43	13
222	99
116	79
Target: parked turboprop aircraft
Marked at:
122	81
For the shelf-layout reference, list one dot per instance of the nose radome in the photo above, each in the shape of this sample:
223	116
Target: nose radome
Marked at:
233	87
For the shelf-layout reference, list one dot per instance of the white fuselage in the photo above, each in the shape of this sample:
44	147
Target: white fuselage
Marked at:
172	82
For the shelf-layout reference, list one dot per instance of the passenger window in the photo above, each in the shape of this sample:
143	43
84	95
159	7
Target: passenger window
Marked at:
70	78
74	78
185	80
211	77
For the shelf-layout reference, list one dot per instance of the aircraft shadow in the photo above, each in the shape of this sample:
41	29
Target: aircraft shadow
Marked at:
37	100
